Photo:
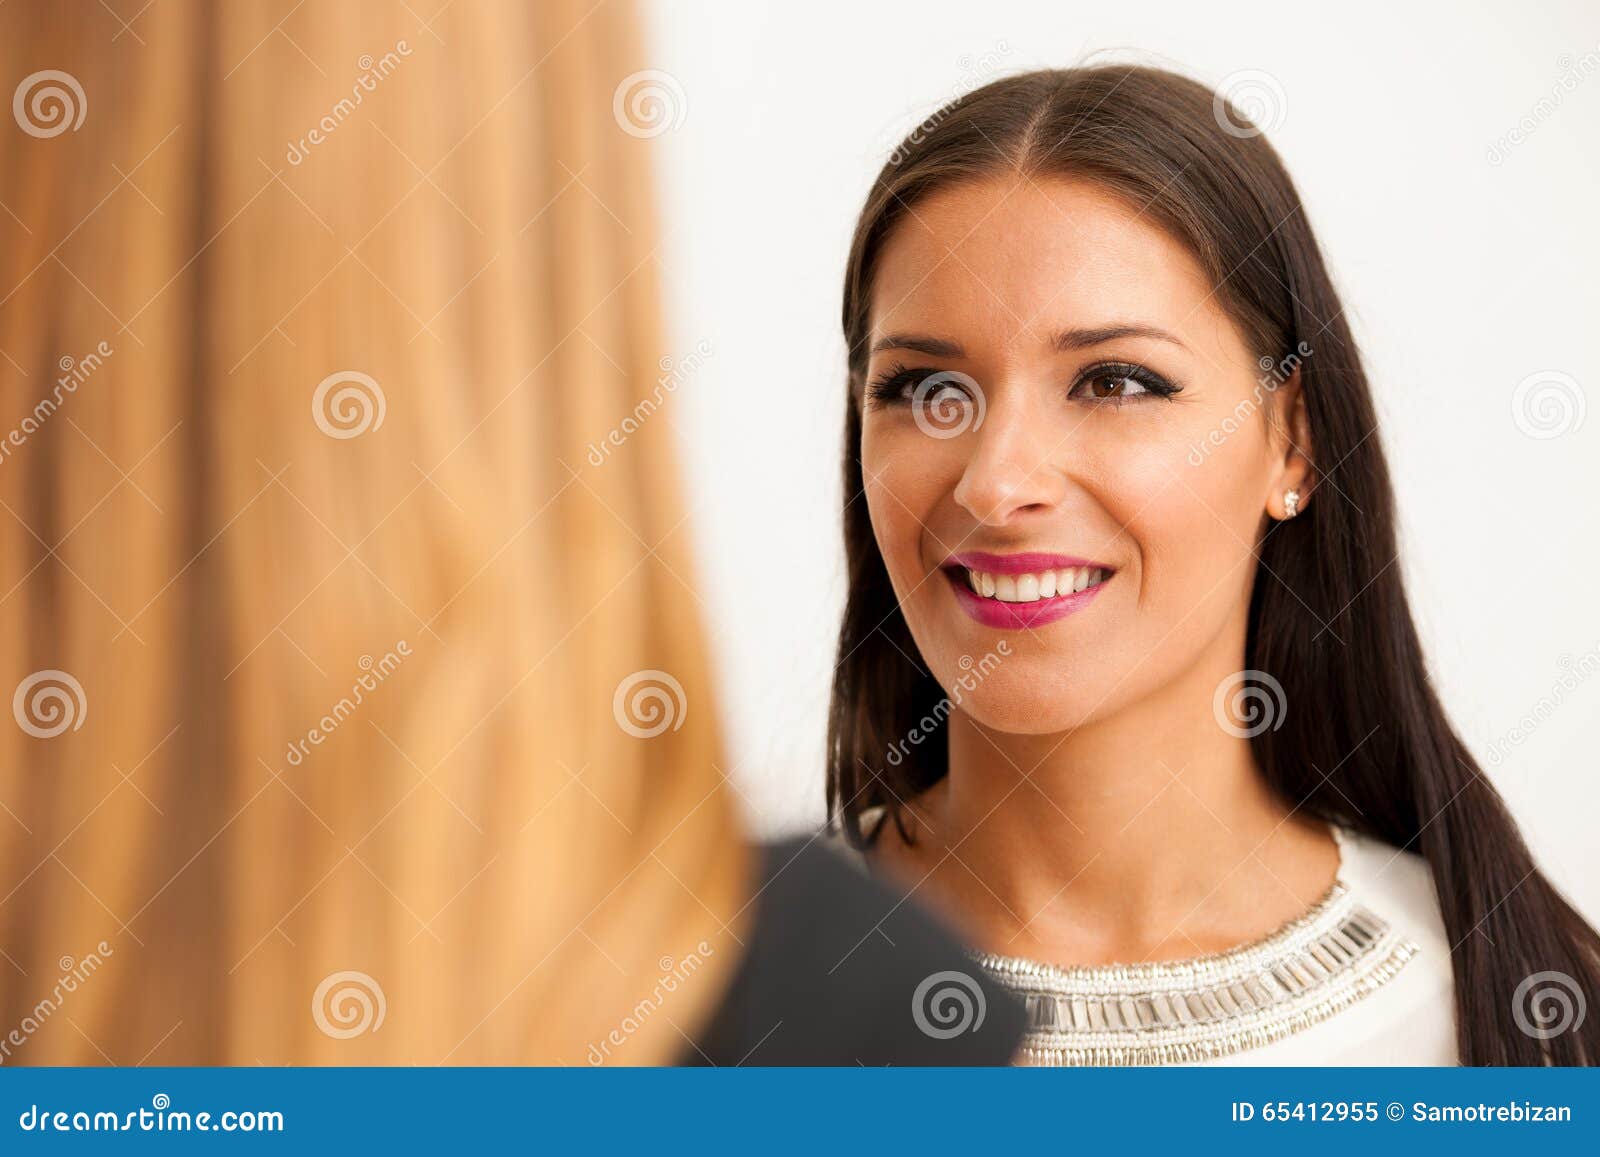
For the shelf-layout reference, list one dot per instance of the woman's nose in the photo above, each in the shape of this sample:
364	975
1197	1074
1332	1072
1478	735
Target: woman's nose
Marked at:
1012	469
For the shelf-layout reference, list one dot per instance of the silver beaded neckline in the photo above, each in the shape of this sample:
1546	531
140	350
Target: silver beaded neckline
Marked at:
1182	1011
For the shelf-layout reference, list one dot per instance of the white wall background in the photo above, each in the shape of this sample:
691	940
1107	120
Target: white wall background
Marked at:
1462	277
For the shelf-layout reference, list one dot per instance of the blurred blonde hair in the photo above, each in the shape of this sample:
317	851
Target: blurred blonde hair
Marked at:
206	562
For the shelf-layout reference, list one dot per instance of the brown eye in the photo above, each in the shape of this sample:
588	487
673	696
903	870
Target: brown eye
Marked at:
1116	381
1113	386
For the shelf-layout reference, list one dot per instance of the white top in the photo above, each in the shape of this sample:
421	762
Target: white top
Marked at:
1361	978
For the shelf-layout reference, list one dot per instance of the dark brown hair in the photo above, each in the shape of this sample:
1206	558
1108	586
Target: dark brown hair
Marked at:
1329	617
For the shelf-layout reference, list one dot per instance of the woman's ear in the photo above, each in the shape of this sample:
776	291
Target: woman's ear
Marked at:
1291	449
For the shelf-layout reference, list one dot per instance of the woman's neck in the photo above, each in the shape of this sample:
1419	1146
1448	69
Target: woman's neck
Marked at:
1148	835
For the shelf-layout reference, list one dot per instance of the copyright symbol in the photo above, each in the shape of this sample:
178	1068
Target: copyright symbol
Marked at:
1396	1110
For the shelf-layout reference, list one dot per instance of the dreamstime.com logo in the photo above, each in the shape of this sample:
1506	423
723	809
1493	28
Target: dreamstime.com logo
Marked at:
1574	671
948	1004
1247	703
348	404
348	1004
1274	373
649	103
1570	74
1548	404
49	103
48	703
649	702
160	1117
673	975
373	673
1255	95
947	404
372	73
673	374
75	972
1548	1004
974	72
74	373
973	673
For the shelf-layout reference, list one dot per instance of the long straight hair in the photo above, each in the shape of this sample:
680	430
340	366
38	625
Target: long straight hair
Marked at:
1190	161
331	744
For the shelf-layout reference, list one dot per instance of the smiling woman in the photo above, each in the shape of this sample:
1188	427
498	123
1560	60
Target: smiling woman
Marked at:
1208	804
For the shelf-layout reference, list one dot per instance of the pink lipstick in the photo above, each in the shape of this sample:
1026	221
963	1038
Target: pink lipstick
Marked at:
1018	591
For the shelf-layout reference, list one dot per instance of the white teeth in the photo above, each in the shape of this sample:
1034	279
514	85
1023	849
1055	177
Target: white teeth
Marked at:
1029	588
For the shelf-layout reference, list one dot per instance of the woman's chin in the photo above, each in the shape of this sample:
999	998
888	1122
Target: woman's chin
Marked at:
1021	709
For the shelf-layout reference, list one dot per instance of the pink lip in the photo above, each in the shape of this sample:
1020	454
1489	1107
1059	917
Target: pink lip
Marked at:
1019	616
1019	563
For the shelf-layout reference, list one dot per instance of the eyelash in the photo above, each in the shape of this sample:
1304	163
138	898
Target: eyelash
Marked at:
895	383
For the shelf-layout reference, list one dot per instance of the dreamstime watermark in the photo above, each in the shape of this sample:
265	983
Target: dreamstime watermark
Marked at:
948	1004
1274	373
348	1004
372	72
1548	1004
674	372
947	404
973	73
74	972
1248	703
649	702
972	674
375	671
49	702
1256	95
649	103
74	372
47	104
1548	404
1573	673
348	404
160	1117
1570	74
673	974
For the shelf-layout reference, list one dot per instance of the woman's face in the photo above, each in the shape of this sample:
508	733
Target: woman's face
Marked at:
1067	447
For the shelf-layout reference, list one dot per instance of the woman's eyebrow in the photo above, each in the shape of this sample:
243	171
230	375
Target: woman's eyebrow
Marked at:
919	343
1070	339
1076	339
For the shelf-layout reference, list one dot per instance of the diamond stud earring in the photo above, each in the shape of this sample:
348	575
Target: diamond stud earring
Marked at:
1291	503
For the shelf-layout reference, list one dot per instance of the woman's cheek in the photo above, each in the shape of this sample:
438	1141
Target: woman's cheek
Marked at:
896	481
1194	527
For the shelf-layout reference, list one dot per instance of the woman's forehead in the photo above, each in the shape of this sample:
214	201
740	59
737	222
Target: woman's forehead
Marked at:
1019	259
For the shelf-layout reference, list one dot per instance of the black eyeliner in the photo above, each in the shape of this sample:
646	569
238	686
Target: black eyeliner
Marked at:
1153	383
